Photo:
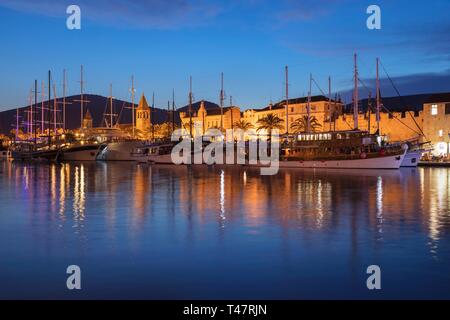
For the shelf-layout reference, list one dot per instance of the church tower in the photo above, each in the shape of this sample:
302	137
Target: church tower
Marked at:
143	116
87	121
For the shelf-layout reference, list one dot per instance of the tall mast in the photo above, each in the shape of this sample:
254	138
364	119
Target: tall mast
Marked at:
132	104
35	107
64	99
308	106
42	108
190	106
173	110
369	107
329	100
30	115
355	95
151	118
287	99
17	124
49	97
111	105
82	98
222	97
55	122
378	99
168	118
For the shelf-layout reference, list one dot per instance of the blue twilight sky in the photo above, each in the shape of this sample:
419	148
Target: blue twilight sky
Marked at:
163	42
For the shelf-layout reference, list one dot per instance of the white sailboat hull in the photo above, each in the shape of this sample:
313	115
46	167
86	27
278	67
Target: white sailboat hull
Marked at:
120	151
384	162
412	158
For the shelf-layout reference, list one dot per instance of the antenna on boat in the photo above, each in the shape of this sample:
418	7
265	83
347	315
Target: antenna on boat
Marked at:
378	97
308	105
355	95
222	98
190	106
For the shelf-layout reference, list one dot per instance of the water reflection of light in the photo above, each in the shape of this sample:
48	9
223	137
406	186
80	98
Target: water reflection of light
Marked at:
222	195
380	204
79	194
314	200
244	177
62	191
319	218
437	204
53	187
26	178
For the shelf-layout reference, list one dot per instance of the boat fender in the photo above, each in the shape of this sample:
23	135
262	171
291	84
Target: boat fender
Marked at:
363	155
382	152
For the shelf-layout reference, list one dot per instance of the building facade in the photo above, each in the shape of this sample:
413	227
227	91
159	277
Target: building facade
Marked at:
436	123
204	119
431	124
321	108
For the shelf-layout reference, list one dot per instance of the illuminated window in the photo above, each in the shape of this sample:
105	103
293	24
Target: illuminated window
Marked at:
434	109
441	133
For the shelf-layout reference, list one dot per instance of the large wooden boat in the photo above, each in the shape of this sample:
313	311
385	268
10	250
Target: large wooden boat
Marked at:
353	149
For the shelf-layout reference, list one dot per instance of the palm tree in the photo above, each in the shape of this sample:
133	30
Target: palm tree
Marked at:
270	122
301	124
243	125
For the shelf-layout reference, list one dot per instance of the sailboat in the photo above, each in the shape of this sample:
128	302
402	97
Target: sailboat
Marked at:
350	149
33	148
86	148
121	148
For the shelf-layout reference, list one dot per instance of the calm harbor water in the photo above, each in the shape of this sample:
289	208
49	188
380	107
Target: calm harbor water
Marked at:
166	232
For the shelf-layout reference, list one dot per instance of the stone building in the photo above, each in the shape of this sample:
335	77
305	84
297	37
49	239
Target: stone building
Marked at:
143	115
87	120
396	126
204	119
320	108
436	123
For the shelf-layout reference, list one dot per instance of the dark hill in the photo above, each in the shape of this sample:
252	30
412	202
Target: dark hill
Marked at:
97	107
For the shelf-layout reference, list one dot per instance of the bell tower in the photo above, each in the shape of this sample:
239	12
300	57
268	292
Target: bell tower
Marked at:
143	115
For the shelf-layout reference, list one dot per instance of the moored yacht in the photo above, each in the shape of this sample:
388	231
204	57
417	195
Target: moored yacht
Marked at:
79	152
154	153
119	150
